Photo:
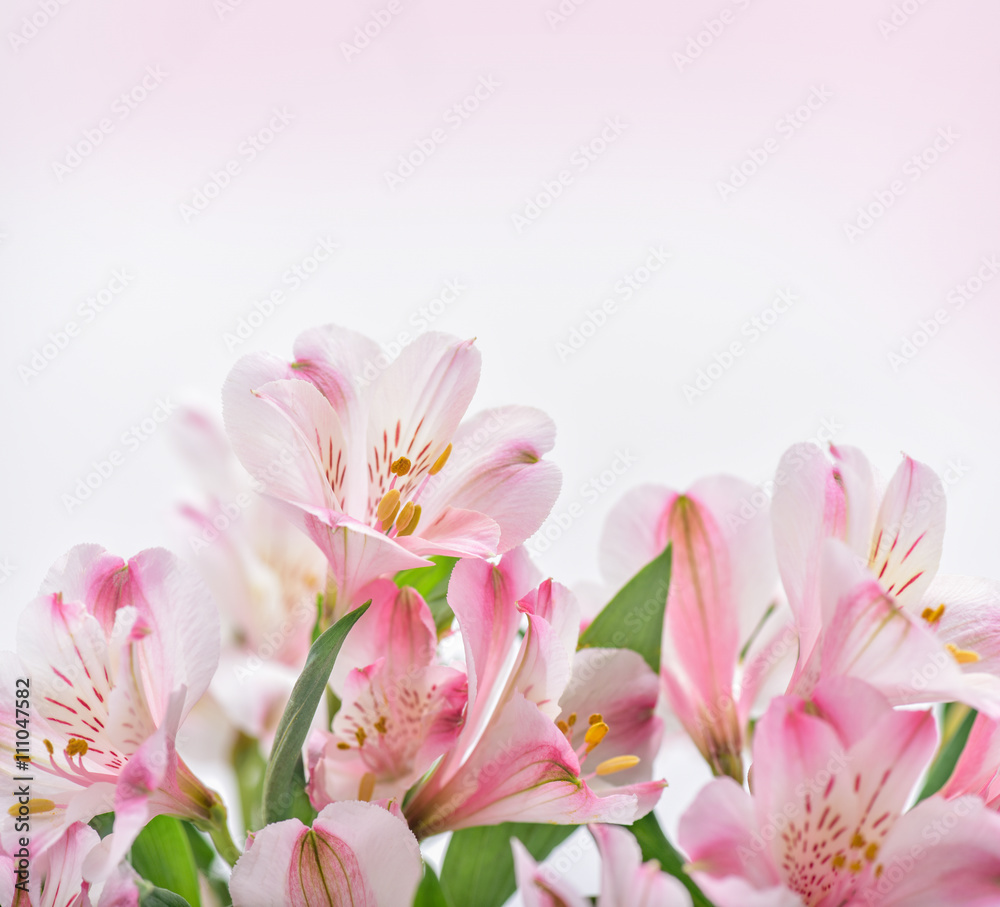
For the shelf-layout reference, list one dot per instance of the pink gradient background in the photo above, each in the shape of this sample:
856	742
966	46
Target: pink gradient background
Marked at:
825	359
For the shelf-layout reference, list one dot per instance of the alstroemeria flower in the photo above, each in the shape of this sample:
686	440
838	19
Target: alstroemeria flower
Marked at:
400	710
116	654
355	853
884	596
723	583
264	574
625	880
379	469
53	878
516	757
825	826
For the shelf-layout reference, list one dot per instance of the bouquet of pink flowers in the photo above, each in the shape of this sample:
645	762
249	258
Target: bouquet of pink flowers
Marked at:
359	632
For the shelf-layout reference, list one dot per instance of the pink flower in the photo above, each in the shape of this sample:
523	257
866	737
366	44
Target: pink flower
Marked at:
376	465
532	721
825	825
978	768
53	878
355	853
625	880
400	710
869	605
116	654
723	582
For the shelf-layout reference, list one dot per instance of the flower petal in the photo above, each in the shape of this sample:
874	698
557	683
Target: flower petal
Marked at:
540	887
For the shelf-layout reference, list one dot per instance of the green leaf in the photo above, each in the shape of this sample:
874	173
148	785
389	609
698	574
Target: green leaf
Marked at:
293	728
103	824
633	619
654	846
432	584
956	732
163	856
479	866
151	896
249	764
429	893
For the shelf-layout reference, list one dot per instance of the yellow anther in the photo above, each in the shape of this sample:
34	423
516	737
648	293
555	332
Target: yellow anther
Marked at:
411	524
855	867
48	746
878	870
617	764
388	504
343	746
563	726
405	515
858	840
595	734
400	467
76	747
380	725
440	461
361	736
33	806
596	718
871	851
572	719
839	861
933	615
962	656
367	787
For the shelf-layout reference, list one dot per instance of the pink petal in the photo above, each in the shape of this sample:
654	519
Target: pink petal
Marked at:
458	533
496	468
971	618
541	887
558	607
634	532
977	768
625	881
909	532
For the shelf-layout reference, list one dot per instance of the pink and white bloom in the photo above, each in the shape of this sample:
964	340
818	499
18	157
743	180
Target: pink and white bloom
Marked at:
825	826
264	574
53	878
521	752
625	880
116	655
376	464
723	583
872	605
355	853
400	710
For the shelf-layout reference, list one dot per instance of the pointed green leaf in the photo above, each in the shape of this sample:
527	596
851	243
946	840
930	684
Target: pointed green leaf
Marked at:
432	584
163	856
633	619
279	777
654	846
429	894
479	866
151	896
951	749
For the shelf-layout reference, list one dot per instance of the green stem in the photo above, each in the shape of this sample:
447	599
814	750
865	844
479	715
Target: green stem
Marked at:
218	831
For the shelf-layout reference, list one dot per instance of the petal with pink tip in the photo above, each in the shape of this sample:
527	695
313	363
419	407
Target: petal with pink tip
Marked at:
909	532
496	468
